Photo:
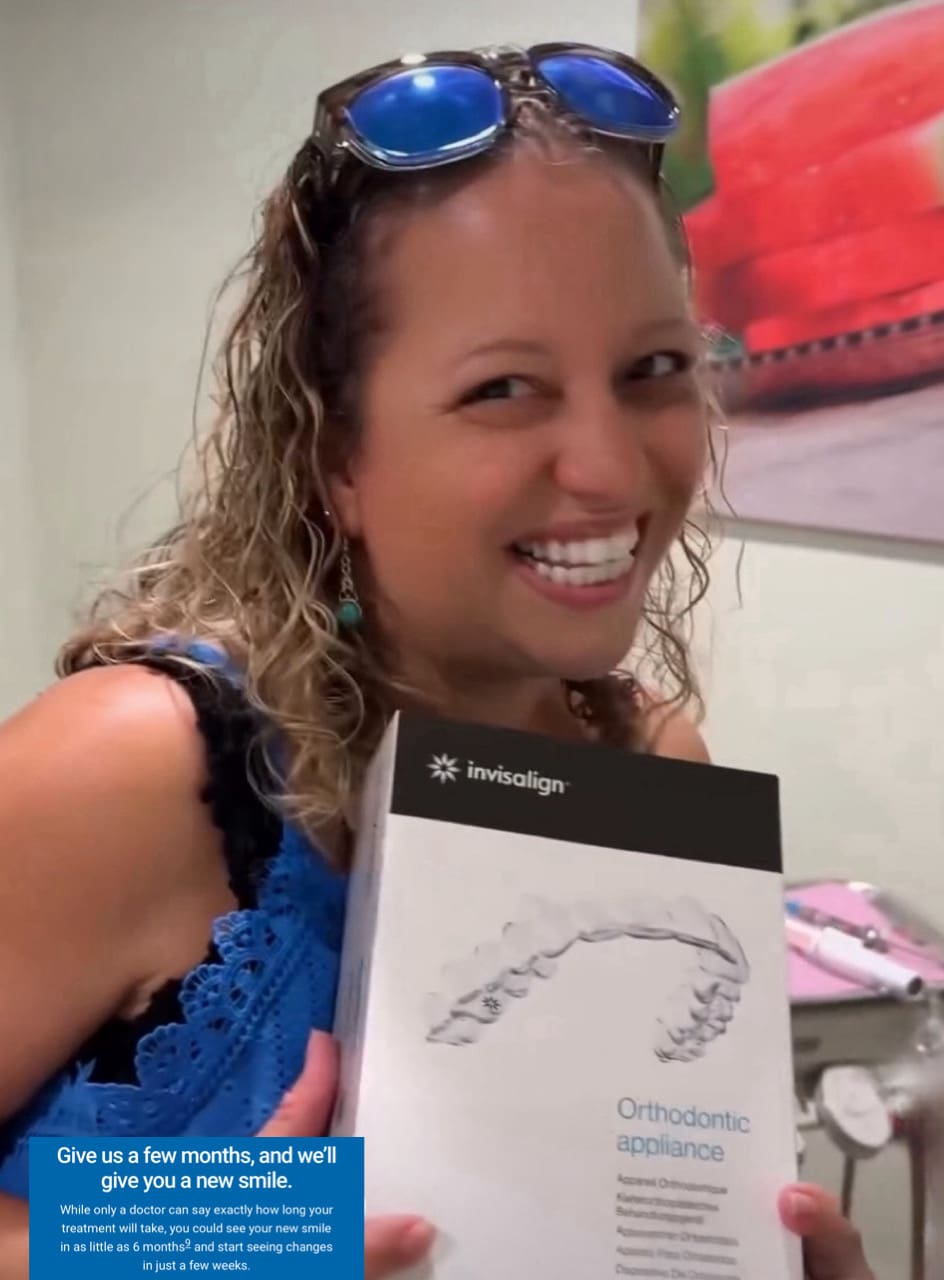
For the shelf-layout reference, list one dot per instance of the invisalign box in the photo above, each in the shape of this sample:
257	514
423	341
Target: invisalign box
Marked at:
563	1009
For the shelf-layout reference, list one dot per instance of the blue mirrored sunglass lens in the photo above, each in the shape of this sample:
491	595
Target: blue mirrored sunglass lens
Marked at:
426	113
608	96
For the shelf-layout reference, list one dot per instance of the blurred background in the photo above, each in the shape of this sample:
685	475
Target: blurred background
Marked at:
135	143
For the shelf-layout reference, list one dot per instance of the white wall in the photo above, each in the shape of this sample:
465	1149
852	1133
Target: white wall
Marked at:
830	673
20	662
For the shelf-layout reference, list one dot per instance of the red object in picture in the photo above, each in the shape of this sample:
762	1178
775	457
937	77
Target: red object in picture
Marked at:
814	103
892	309
810	172
827	217
886	178
900	254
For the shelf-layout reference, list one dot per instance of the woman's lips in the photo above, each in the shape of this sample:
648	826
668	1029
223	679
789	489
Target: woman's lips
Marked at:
564	585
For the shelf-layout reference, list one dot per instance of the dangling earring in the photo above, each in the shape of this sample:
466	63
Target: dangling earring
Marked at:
348	613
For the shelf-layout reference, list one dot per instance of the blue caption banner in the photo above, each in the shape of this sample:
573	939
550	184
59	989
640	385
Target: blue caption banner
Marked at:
261	1207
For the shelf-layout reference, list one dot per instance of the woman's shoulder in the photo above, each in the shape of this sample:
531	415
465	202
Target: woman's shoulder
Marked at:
102	732
135	769
109	770
137	772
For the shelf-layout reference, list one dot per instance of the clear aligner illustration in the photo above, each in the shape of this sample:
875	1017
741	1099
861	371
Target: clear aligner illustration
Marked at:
498	973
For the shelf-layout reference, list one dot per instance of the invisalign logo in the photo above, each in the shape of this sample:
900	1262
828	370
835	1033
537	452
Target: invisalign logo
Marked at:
445	769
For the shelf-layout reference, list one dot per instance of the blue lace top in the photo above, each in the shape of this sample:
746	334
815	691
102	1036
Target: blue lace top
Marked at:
215	1051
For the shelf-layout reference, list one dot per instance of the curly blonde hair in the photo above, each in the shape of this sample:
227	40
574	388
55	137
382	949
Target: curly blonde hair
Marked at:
252	564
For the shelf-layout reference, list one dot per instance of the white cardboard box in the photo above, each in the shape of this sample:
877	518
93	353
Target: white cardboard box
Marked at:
563	1009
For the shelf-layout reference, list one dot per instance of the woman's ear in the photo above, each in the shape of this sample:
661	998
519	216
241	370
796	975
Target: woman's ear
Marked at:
344	494
344	499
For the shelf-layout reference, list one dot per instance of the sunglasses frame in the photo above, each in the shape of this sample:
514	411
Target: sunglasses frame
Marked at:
516	75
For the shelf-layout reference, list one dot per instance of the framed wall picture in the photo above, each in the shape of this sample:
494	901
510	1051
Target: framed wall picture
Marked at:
810	176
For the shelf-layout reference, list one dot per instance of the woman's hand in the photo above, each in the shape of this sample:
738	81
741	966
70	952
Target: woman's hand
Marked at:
391	1244
832	1248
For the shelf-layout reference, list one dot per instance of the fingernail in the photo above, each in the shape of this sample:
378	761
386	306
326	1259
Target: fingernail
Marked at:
801	1204
416	1239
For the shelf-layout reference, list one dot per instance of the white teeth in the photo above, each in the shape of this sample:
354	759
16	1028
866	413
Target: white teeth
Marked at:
648	918
490	959
590	551
597	924
722	1009
517	945
490	1004
705	988
544	966
730	991
438	1009
677	1016
464	978
690	921
693	1049
665	1048
517	950
581	575
729	961
501	973
669	1048
554	930
518	984
685	1029
701	1013
457	1031
583	564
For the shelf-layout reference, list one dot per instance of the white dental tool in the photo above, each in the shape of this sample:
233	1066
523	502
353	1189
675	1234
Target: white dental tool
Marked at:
848	958
853	1112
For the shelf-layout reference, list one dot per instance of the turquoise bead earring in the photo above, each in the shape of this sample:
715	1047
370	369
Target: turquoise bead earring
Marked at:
348	613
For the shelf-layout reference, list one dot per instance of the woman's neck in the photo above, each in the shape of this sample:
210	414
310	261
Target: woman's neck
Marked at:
533	706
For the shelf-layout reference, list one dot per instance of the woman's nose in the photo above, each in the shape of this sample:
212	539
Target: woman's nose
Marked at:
601	458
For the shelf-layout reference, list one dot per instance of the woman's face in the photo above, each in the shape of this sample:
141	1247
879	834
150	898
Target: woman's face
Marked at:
532	435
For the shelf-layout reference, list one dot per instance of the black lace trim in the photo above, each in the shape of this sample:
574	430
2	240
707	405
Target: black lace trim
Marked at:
251	837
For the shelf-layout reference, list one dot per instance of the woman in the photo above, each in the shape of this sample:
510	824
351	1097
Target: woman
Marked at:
462	427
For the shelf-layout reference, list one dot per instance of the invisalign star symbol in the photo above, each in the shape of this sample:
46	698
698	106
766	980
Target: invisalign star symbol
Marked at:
491	1004
444	768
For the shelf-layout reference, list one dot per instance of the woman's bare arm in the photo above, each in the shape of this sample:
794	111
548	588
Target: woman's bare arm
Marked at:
111	873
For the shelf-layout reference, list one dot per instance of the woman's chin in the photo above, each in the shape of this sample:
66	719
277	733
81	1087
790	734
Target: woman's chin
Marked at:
580	649
586	663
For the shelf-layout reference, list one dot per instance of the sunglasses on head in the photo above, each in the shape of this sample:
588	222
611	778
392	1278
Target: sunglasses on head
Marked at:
427	110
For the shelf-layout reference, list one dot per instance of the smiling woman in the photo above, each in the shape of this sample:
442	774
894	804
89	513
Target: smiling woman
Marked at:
462	427
552	433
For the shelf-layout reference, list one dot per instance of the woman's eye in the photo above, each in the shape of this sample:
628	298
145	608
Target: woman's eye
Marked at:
498	389
661	364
